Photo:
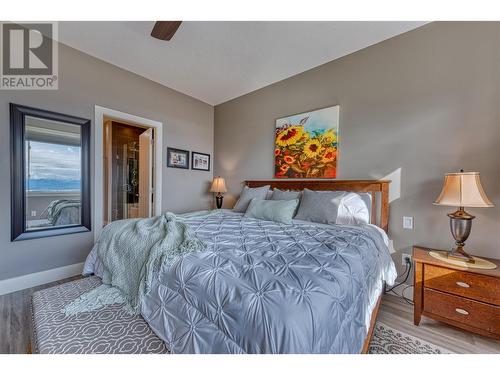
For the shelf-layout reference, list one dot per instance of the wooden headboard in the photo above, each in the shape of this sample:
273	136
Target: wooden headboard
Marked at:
374	187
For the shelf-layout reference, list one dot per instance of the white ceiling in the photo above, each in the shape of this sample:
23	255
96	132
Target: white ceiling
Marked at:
219	61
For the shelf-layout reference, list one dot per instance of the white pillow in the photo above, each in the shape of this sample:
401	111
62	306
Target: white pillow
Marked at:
351	209
334	207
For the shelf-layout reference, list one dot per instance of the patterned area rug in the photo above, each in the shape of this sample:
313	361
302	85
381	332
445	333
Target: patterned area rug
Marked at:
106	331
387	340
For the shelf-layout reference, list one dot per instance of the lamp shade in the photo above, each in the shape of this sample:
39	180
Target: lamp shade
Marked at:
218	185
463	189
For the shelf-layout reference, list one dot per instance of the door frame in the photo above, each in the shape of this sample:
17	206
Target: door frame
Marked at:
100	113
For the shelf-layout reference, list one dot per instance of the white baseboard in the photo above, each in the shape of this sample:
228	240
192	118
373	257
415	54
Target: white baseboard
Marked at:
39	278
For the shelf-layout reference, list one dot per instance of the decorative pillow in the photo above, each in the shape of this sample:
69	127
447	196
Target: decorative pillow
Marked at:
269	194
333	207
352	209
284	195
273	210
247	194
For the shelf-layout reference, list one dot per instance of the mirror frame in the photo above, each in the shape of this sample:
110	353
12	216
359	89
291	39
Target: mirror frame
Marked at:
18	114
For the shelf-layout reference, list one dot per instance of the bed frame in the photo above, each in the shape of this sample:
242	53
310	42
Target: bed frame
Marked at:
379	190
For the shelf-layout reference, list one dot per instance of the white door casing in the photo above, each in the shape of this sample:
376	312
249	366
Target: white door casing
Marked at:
145	175
100	113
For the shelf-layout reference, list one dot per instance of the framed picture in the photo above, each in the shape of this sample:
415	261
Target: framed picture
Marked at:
200	161
306	144
177	158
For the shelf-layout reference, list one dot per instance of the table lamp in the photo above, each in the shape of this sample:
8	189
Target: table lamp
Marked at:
219	187
462	189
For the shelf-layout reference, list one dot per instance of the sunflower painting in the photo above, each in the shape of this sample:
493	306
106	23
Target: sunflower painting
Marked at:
306	145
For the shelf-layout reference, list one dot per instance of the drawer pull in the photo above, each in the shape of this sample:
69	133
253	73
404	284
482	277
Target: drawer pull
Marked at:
462	311
462	284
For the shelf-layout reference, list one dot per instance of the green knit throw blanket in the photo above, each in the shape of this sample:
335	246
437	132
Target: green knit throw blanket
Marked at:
131	251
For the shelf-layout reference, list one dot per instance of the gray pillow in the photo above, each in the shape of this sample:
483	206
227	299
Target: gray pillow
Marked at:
269	194
273	210
285	195
247	194
323	207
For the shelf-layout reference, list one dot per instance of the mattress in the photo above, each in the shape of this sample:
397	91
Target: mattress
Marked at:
107	331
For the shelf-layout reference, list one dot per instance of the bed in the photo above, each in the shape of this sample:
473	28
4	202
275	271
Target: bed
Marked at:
63	212
261	287
266	287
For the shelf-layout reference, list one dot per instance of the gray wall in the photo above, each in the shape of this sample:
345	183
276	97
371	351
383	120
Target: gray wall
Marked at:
425	102
84	82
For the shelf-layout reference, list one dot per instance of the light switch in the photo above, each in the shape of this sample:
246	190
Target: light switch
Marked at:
408	222
33	213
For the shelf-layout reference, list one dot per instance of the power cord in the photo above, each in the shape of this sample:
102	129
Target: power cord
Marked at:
407	300
407	274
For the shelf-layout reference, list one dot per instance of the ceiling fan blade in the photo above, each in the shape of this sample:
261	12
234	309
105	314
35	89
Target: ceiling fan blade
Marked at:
165	30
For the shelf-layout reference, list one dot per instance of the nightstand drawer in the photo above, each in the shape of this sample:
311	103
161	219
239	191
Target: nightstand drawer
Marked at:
478	287
463	310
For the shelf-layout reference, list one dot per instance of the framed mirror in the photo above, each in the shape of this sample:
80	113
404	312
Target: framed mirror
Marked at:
50	173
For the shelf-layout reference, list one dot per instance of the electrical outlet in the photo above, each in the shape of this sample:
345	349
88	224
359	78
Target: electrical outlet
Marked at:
408	222
33	213
404	257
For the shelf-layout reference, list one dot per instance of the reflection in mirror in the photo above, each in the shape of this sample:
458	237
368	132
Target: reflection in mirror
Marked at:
53	173
50	173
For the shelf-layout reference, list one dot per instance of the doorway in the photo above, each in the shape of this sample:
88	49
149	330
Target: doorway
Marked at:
128	171
128	160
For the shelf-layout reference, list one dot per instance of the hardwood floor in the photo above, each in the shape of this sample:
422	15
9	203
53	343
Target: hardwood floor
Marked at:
394	312
398	314
15	325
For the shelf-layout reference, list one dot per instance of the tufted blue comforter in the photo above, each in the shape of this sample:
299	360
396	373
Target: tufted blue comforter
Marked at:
265	287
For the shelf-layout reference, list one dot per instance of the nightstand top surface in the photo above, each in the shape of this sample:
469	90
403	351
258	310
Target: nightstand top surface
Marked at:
421	255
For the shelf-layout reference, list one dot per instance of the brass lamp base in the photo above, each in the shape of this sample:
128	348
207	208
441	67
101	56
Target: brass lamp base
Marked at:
460	225
218	200
459	253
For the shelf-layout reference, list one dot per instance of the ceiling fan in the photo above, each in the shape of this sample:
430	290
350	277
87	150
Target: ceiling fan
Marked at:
165	30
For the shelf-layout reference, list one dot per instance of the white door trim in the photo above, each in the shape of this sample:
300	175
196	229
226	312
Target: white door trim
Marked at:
100	112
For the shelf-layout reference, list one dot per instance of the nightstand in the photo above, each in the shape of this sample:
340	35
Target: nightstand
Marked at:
462	297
